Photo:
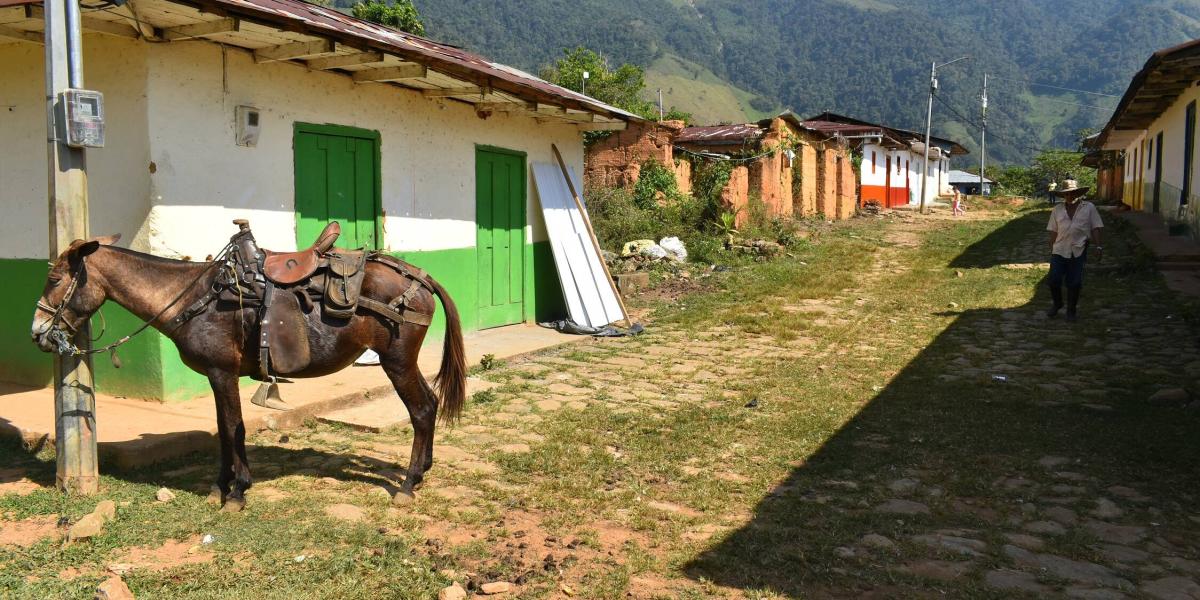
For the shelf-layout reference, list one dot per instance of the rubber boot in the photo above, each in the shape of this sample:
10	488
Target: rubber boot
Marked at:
1056	294
1072	303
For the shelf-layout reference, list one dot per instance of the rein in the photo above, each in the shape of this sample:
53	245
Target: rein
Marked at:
63	342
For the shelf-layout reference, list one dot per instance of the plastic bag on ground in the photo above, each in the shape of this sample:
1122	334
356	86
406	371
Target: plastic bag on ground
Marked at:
675	248
656	251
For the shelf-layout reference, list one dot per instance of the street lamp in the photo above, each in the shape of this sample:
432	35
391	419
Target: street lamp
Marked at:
583	87
933	84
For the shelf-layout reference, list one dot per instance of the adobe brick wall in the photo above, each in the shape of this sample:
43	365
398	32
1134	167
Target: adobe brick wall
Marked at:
847	193
735	197
806	204
770	177
616	161
683	175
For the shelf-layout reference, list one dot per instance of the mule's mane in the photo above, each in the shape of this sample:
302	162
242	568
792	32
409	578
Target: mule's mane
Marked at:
157	260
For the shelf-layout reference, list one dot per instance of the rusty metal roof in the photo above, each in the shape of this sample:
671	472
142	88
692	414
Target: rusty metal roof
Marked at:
721	134
903	136
1153	89
302	18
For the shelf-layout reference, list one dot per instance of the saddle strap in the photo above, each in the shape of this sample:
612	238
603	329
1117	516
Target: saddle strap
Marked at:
264	344
390	313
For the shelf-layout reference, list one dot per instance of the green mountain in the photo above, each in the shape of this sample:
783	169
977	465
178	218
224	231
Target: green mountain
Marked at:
733	60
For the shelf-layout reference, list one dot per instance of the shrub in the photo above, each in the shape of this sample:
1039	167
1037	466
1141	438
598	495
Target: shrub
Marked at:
655	178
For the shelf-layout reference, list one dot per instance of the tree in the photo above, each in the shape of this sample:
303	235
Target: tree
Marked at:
399	14
622	87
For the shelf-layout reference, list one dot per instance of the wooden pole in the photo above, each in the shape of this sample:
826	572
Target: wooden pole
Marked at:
74	400
587	221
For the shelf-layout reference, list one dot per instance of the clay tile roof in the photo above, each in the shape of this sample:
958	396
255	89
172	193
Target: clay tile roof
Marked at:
720	134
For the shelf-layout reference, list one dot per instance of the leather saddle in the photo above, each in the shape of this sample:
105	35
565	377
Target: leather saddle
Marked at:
287	268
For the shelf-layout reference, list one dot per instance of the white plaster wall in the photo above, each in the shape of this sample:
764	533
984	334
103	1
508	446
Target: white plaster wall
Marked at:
118	173
867	177
204	180
1171	123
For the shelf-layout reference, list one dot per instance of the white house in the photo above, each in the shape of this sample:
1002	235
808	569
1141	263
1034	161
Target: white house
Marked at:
1154	130
893	159
418	148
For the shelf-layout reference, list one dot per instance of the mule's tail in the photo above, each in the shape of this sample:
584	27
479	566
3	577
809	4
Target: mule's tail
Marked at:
451	380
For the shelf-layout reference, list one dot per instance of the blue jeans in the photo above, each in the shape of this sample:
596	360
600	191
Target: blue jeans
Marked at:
1068	270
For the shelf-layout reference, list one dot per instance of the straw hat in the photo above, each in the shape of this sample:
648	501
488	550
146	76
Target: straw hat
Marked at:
1069	186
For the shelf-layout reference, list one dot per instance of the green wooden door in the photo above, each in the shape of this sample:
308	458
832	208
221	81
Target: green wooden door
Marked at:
337	179
500	236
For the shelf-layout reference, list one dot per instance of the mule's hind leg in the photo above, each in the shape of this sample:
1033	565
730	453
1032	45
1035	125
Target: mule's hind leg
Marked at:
422	411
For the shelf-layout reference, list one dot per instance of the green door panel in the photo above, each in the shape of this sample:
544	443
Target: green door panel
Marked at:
500	236
337	179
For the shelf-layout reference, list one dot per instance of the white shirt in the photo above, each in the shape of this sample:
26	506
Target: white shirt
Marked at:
1073	233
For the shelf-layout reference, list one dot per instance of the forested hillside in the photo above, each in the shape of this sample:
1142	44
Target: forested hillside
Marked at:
868	58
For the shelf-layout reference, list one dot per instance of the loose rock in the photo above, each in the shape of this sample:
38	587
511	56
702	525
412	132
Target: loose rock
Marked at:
164	495
113	588
1106	509
89	526
106	509
452	592
1065	568
1169	397
495	587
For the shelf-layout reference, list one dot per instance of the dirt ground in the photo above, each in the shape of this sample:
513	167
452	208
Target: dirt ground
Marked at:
885	413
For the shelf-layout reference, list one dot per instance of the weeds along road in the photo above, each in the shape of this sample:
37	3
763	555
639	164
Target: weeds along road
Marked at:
824	425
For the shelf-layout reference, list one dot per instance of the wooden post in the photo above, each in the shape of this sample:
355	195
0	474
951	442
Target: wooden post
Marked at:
74	398
587	220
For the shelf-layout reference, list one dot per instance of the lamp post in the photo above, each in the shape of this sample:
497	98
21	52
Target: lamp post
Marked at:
583	86
929	124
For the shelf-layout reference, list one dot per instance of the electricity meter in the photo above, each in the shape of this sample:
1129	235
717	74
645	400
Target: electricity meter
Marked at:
84	118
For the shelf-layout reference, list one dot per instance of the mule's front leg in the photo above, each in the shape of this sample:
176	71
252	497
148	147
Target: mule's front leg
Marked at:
235	469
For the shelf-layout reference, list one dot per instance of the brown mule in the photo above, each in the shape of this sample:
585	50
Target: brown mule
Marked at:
221	342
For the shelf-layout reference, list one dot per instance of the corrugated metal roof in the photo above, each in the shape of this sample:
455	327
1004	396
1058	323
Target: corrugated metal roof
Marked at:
440	57
957	176
1166	74
721	134
311	19
902	135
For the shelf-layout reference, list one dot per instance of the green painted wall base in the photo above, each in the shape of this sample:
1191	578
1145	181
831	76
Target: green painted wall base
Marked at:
152	368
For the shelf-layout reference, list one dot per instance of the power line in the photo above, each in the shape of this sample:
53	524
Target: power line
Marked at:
1067	89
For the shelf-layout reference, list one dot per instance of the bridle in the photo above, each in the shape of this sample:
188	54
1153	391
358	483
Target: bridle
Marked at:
59	327
61	333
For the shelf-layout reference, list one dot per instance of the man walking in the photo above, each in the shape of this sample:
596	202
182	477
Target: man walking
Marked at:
1074	229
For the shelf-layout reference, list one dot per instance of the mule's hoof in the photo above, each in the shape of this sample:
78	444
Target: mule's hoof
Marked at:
403	498
214	495
233	505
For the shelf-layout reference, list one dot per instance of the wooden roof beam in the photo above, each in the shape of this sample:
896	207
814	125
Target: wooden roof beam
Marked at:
458	91
18	34
528	107
345	60
89	23
395	73
295	50
199	30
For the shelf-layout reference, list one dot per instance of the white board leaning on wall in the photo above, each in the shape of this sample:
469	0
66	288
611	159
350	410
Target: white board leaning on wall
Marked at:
589	295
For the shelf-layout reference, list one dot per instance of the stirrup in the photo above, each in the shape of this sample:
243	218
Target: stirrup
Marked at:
267	395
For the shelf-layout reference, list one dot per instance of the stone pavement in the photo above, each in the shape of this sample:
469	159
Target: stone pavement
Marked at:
134	432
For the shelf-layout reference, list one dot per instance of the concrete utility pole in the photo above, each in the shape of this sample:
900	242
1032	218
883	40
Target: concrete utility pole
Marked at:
933	84
74	397
928	126
983	136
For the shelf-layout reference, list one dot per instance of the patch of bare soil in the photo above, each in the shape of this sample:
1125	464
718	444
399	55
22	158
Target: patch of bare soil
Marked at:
30	531
171	554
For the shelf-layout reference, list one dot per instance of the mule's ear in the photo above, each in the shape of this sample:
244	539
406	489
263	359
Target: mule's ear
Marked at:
108	240
86	248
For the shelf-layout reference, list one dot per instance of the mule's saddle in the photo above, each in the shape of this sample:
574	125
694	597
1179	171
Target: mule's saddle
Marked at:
287	287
